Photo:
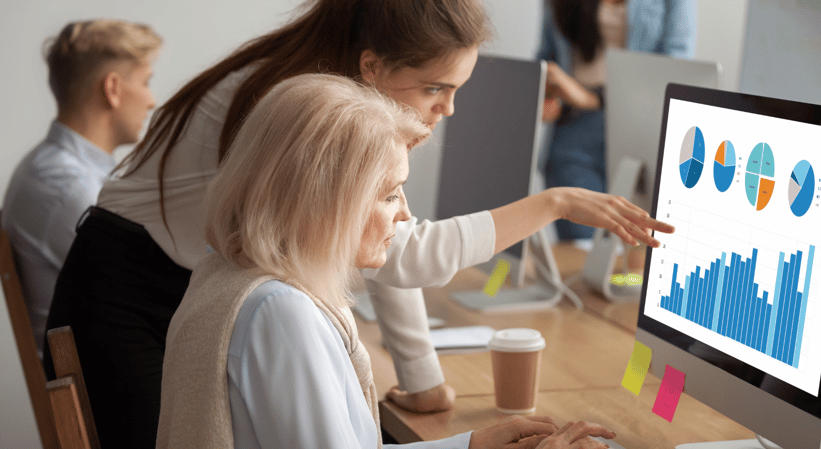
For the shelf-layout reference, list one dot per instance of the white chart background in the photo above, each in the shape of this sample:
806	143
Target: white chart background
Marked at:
709	222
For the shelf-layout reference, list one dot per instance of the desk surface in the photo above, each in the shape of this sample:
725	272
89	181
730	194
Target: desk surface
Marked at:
582	367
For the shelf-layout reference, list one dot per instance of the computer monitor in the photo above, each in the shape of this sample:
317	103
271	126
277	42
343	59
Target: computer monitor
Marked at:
733	297
489	159
634	98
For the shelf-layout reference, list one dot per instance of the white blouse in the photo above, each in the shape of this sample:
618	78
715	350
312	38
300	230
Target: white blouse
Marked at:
291	383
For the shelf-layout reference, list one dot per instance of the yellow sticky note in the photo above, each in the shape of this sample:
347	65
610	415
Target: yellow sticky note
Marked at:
497	278
637	368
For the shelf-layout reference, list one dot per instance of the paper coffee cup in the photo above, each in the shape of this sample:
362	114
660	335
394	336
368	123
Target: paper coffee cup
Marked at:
516	355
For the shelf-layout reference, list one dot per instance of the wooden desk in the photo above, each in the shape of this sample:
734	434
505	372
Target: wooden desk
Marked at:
630	417
582	367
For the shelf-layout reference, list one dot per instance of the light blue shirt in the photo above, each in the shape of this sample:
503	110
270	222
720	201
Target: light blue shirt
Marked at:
291	383
653	26
50	189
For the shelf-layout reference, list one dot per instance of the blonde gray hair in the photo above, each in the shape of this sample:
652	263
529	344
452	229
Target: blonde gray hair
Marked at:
302	177
77	54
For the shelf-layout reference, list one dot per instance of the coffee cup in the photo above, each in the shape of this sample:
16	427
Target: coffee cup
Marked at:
516	356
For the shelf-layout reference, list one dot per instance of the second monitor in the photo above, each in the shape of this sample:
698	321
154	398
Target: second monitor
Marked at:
489	159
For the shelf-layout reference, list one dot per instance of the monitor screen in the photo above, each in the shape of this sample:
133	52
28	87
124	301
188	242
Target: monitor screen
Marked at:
739	282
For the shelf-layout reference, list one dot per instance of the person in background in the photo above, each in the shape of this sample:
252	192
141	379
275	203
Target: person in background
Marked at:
98	72
131	262
263	350
575	36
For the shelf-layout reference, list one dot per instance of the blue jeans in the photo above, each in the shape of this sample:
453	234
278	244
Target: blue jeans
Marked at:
576	159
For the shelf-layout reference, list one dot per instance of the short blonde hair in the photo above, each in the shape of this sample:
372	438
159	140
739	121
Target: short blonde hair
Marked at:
76	55
302	177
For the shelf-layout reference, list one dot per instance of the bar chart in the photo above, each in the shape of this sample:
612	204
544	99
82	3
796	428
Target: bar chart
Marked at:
725	299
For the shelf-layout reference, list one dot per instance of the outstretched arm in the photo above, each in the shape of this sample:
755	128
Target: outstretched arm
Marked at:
430	253
522	218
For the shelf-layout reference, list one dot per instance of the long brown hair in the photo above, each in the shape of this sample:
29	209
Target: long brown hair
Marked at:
328	37
578	21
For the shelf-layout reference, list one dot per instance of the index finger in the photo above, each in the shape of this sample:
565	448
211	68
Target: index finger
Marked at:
645	221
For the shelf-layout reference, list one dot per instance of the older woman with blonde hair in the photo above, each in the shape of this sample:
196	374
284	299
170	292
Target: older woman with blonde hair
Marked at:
263	350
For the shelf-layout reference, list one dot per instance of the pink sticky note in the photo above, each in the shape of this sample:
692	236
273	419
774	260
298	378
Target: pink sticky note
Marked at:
669	393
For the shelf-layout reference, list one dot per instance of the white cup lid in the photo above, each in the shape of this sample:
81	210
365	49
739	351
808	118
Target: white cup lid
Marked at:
516	340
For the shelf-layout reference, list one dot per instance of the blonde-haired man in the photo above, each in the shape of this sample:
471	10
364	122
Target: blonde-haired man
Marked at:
98	73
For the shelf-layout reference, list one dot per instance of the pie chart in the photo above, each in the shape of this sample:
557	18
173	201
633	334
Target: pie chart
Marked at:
724	166
691	162
759	179
802	186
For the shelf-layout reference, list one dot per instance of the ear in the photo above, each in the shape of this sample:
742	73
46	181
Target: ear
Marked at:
370	66
112	89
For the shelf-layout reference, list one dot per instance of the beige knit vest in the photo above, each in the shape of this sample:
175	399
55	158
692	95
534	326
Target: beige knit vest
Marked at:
195	411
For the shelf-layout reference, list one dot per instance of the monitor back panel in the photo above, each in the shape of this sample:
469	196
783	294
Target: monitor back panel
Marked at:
635	101
490	148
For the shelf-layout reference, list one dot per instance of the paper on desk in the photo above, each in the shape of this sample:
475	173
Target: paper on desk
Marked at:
670	391
637	368
461	339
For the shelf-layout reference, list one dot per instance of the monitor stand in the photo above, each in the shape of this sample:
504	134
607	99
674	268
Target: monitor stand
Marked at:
546	293
601	260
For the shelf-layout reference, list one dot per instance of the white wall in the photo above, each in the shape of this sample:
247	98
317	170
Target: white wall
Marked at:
721	26
782	57
196	33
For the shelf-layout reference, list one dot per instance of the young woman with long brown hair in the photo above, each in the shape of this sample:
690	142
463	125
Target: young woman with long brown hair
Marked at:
131	262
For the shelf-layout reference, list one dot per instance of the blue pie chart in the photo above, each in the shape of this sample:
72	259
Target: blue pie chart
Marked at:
724	166
691	160
802	187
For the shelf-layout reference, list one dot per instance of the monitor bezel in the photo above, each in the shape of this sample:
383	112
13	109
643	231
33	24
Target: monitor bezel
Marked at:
772	107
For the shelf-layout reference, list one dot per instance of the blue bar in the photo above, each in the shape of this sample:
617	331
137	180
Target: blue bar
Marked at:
695	285
743	300
795	306
738	322
749	314
753	333
728	298
685	297
804	301
698	297
709	296
794	334
779	325
785	310
728	313
725	299
755	327
677	304
752	300
759	320
702	287
766	324
719	292
742	268
774	308
767	312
